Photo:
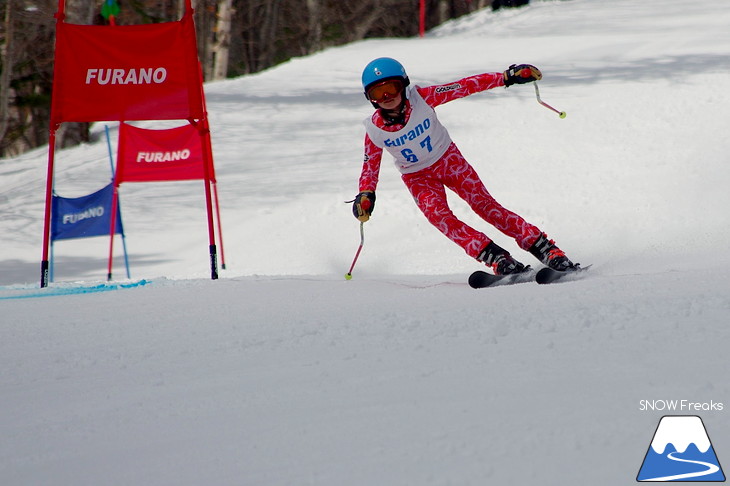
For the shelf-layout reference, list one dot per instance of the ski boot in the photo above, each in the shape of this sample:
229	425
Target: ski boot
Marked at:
547	252
500	260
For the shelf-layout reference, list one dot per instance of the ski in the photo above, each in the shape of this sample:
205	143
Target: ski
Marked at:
548	275
481	279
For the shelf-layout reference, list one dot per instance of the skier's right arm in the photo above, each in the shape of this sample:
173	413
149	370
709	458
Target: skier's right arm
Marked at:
364	202
370	166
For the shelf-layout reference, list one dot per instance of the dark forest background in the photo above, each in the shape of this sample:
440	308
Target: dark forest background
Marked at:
235	37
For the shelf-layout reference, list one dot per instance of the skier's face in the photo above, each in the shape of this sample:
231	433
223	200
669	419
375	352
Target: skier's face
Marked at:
385	91
391	103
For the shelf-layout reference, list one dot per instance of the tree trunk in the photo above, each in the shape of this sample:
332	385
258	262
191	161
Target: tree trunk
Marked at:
443	11
6	55
222	39
314	40
205	27
268	33
365	22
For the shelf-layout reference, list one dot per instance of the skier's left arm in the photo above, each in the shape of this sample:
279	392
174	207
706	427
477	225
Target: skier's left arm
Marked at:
443	93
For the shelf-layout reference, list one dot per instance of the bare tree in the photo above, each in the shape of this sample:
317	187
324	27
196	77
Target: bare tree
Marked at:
222	39
26	73
361	19
7	60
314	12
258	33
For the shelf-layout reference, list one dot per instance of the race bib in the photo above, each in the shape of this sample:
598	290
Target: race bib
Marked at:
420	143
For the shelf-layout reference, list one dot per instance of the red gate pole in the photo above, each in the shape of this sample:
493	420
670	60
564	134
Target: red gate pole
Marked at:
208	159
422	19
59	15
211	227
203	130
112	230
49	198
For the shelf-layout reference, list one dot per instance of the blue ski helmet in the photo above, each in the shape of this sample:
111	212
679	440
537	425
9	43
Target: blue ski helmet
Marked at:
381	69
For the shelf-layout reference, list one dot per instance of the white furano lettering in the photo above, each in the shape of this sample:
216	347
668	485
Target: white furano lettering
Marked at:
172	156
105	76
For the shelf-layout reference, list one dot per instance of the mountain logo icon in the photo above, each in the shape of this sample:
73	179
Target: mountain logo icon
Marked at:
681	451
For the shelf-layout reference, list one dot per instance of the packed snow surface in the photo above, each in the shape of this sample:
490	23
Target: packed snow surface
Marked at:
283	373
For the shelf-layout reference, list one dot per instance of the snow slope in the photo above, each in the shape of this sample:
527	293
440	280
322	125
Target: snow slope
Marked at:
281	372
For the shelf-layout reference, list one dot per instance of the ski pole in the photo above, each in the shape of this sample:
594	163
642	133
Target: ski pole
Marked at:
561	114
348	275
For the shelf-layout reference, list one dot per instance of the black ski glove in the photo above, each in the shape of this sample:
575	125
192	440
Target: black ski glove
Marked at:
521	74
363	205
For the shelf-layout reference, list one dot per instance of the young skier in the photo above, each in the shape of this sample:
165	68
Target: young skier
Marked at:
405	124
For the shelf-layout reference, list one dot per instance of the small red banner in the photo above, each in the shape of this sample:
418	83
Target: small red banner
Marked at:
175	154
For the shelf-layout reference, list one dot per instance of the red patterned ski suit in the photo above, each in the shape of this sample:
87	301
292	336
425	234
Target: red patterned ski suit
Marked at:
427	178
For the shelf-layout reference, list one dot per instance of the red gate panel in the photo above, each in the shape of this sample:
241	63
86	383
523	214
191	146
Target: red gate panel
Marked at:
175	154
132	72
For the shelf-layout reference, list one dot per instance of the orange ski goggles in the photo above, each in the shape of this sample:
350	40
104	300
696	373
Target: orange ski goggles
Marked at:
385	90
